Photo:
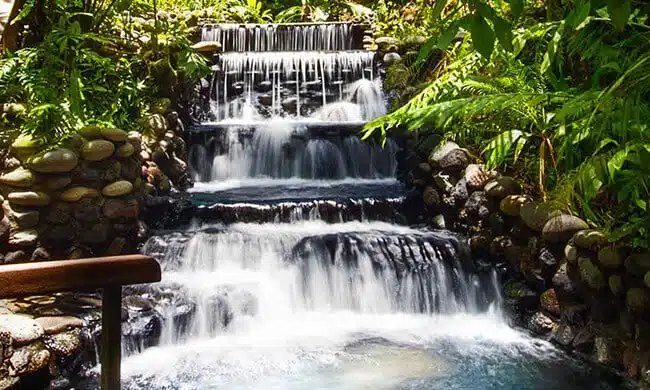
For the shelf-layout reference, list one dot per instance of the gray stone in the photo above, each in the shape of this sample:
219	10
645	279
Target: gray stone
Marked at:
54	161
460	192
25	218
562	227
29	198
118	188
98	150
23	330
41	254
115	135
502	186
571	253
16	257
541	324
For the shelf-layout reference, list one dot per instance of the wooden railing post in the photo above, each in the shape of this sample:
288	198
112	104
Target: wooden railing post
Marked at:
111	337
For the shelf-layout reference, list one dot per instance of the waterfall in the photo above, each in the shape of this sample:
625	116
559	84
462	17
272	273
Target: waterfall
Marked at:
300	270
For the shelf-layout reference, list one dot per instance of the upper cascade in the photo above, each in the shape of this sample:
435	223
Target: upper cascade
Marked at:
284	37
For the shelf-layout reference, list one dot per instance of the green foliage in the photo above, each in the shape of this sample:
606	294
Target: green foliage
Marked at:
562	102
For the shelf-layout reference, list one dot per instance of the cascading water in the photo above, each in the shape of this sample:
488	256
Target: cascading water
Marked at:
289	279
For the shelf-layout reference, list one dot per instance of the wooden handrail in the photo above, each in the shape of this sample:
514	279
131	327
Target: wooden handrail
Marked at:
107	273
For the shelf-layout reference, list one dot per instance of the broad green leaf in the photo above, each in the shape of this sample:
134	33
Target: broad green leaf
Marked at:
482	36
517	7
27	9
619	12
498	149
437	9
503	30
616	163
580	15
447	36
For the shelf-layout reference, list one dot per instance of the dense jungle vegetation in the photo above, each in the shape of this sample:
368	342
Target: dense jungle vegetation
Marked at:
553	91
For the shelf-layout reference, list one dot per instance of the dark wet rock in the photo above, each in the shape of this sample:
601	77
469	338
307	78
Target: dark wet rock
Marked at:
460	191
638	264
97	233
564	335
571	253
87	210
431	196
57	235
584	340
548	262
478	205
499	245
565	287
29	359
440	152
121	208
59	213
64	344
497	224
454	161
611	257
168	211
41	254
549	302
590	273
480	242
523	296
502	186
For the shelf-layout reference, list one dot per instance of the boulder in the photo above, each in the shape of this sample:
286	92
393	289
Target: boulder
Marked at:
58	214
590	273
24	330
564	286
75	194
41	254
118	208
460	192
125	150
536	214
478	205
431	196
541	324
87	210
589	239
502	186
115	135
19	177
638	264
54	161
29	198
441	151
477	176
95	234
91	132
454	161
57	324
118	188
74	142
24	238
158	124
610	257
562	227
29	359
511	204
97	150
207	47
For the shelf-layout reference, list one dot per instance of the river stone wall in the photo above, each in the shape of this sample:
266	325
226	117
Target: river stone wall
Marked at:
565	281
89	197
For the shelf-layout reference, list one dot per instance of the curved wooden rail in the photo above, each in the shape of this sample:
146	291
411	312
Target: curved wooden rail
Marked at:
107	273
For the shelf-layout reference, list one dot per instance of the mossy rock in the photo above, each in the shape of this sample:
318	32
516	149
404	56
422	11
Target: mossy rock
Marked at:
115	135
562	227
610	257
511	204
91	132
536	214
19	177
637	299
591	274
615	283
589	239
54	161
638	264
571	253
125	150
98	150
75	194
29	198
119	188
25	146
